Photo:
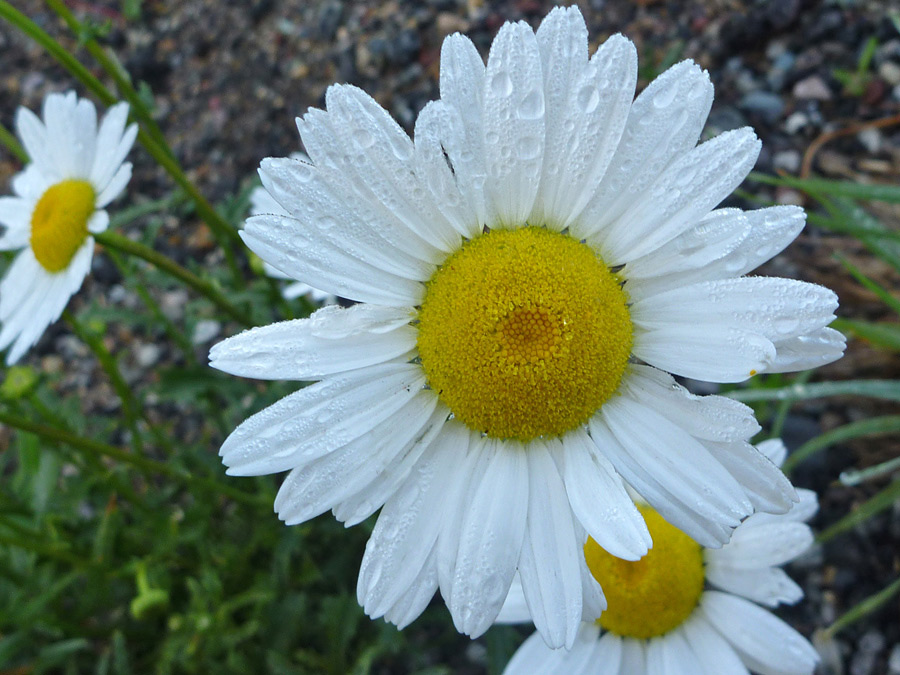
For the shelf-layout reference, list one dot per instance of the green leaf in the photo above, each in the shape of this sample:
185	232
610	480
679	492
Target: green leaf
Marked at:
888	424
827	187
876	288
881	501
888	390
864	608
886	335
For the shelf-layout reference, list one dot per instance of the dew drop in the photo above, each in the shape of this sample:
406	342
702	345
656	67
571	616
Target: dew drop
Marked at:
664	98
492	138
501	84
326	222
588	98
363	138
532	106
528	147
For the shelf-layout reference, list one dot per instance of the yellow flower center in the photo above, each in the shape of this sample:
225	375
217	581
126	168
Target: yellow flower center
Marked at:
524	333
59	223
653	595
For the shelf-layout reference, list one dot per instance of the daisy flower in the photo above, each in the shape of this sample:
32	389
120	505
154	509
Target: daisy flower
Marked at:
685	609
261	202
526	271
76	169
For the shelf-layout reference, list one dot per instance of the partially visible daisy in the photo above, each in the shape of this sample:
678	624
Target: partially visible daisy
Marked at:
76	169
685	610
261	203
527	271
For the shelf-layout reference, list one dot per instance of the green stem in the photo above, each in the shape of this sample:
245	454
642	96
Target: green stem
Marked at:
12	144
784	407
157	148
882	500
888	424
90	446
119	77
864	608
130	406
169	266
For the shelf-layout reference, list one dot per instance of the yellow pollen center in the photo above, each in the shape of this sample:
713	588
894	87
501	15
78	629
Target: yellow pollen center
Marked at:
59	223
524	333
653	595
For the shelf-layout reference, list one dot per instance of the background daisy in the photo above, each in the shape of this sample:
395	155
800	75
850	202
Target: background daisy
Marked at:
686	610
525	269
76	169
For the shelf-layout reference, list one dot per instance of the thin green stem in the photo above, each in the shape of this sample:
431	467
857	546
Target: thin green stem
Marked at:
8	139
864	608
888	424
170	267
119	77
90	446
130	406
882	500
784	407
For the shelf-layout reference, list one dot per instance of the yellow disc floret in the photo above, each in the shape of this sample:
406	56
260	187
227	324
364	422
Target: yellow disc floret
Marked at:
59	223
653	595
524	333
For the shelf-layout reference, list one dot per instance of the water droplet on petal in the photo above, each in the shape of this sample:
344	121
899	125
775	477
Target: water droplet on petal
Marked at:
501	84
532	106
363	138
492	138
588	98
528	147
326	222
665	97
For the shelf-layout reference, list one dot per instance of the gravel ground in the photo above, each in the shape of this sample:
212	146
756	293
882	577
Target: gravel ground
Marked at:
229	78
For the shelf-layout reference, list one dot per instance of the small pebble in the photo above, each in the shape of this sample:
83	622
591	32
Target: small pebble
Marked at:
889	71
767	105
871	139
205	331
787	160
147	355
812	87
894	660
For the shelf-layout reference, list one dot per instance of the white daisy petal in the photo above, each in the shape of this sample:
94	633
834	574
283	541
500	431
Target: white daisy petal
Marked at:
414	601
685	191
302	253
490	538
334	339
582	98
30	183
803	352
715	655
774	450
407	529
319	419
304	192
685	468
114	142
462	94
98	222
383	155
599	500
115	186
367	194
773	543
85	127
634	657
515	608
321	484
712	418
513	124
766	486
356	508
766	644
663	124
770	586
436	124
21	278
726	243
744	314
670	654
548	564
14	216
33	135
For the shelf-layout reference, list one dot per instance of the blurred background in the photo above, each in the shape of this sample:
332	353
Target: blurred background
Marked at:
110	567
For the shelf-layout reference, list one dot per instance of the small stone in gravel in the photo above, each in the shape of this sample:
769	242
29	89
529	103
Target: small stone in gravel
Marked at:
765	104
796	122
205	331
812	87
890	73
787	160
147	355
894	660
871	139
868	647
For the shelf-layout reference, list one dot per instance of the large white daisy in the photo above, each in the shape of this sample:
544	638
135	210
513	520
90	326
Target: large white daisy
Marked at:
527	270
76	169
684	610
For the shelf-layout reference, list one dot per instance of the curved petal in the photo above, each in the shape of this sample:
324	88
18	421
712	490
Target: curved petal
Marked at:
663	124
715	655
770	586
490	539
319	419
803	352
765	545
513	119
599	500
548	564
15	216
332	340
302	253
765	643
322	483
